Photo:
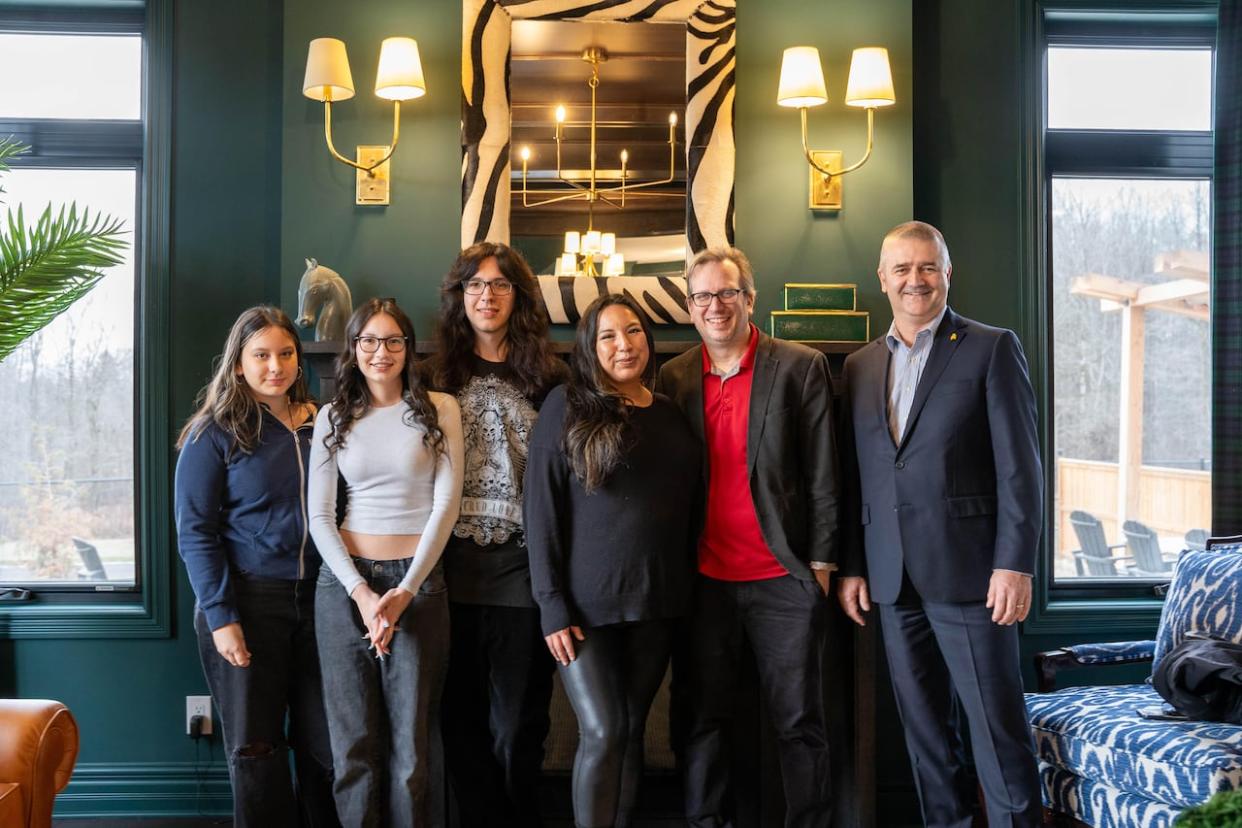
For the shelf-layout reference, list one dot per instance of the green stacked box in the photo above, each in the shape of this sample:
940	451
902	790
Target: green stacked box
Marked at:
816	312
811	296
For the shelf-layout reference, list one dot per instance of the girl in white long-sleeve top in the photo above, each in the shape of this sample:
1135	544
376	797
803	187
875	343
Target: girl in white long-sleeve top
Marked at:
381	610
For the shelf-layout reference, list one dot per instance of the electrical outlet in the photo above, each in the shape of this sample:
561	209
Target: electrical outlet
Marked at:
198	706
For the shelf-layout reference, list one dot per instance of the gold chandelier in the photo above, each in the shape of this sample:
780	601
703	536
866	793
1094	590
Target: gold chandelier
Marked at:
582	248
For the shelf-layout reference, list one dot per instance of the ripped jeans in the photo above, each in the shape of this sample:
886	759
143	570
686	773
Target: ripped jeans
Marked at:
278	622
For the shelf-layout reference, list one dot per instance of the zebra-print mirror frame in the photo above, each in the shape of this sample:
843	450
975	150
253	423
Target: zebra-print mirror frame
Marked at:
711	38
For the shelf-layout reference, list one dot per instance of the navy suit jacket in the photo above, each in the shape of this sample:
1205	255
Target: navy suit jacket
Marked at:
962	494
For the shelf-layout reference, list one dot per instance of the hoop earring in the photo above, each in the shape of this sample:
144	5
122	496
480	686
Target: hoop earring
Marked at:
299	376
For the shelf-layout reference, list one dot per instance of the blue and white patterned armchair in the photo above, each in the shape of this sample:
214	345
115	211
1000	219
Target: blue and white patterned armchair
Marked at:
1103	764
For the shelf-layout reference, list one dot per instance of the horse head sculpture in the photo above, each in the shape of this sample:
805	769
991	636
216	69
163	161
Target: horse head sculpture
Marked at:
322	291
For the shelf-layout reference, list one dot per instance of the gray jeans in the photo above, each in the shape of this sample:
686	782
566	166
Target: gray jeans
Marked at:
383	716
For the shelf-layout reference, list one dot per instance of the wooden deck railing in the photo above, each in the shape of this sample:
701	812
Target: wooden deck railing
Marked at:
1171	501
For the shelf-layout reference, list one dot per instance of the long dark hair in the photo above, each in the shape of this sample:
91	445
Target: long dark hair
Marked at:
530	355
225	400
596	416
353	398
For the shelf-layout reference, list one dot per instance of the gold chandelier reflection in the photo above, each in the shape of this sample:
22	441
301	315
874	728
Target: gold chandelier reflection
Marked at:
591	192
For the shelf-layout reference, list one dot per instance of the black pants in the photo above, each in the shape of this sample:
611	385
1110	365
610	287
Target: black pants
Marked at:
610	686
495	713
278	622
783	620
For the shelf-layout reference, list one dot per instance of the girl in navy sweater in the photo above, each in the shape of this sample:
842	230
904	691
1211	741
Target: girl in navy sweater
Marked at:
240	499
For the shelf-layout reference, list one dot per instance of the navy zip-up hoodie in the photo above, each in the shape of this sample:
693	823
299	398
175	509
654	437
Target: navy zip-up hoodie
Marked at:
246	512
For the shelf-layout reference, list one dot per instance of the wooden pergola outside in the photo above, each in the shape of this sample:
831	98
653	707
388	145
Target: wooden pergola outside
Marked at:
1186	292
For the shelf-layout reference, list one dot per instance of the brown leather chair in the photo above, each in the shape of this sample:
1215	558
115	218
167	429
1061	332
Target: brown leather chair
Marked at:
38	748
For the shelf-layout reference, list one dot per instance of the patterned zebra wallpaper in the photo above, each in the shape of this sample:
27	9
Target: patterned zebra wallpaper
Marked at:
711	37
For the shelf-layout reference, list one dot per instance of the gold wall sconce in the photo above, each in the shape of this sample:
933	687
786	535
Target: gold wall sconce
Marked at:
870	86
399	78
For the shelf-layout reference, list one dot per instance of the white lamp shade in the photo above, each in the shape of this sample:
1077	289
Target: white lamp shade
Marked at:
608	244
802	78
871	79
400	74
573	242
591	242
327	71
568	264
615	266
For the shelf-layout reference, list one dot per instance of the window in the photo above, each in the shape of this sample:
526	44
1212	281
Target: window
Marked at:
81	89
1128	164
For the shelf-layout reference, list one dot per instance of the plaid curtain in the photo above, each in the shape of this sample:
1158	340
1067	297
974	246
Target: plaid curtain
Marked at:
1227	277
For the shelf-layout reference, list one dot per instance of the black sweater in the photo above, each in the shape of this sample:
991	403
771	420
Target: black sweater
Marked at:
625	552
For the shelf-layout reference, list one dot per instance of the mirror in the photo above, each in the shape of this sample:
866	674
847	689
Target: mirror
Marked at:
708	30
639	72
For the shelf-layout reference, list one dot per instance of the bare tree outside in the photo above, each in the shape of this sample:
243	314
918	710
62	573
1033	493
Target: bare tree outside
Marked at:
68	397
1119	229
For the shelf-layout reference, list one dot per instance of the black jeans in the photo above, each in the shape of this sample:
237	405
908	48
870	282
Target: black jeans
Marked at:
610	685
784	622
383	715
496	714
278	622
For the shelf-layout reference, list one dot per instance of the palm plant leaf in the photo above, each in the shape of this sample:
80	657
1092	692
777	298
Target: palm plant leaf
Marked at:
8	148
46	268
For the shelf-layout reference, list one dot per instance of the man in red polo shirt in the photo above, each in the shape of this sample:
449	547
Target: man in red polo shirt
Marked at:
769	544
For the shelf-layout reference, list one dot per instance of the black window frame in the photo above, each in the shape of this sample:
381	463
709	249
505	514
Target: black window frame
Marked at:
1071	606
1066	606
65	609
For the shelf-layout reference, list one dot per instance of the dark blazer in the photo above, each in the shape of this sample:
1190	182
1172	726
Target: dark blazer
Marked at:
963	492
790	446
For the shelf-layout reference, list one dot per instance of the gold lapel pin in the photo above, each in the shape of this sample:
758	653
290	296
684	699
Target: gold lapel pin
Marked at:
953	337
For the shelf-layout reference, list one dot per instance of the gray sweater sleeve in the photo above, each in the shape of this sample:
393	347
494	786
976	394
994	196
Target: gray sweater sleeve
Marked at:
445	495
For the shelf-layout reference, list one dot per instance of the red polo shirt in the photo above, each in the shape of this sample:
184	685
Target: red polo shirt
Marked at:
731	547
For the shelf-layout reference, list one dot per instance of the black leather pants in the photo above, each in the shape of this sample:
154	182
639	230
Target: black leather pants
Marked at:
610	685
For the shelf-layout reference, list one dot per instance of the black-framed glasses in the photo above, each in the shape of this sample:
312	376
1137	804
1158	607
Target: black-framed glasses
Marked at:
703	298
370	344
500	287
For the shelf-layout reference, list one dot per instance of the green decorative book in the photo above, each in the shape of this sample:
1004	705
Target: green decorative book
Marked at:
822	325
819	296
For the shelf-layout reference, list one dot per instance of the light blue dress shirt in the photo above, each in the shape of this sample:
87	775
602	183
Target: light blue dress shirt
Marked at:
906	365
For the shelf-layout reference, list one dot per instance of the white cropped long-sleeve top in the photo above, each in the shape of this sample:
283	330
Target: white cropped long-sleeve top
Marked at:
395	485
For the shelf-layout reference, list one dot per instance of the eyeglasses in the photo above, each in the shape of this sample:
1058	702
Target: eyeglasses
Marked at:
704	298
370	344
475	287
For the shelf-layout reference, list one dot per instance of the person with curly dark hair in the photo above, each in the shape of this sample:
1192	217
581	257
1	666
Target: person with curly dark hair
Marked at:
494	356
240	502
613	507
397	447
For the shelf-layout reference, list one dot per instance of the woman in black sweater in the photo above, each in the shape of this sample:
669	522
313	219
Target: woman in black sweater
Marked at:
612	511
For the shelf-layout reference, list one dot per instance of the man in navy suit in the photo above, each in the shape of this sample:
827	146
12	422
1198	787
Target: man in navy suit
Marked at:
947	503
